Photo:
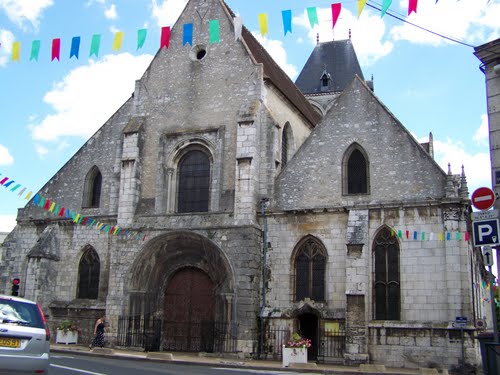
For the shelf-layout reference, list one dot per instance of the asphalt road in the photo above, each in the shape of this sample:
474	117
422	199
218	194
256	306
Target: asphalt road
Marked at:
74	364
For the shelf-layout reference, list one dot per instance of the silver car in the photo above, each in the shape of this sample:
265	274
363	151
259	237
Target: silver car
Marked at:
24	337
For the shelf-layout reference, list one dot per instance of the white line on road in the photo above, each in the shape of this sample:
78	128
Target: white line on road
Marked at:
78	370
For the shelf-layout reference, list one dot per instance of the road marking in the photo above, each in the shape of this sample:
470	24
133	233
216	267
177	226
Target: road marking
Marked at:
78	370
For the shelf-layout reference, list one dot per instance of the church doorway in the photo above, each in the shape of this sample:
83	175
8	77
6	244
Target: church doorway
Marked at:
189	306
308	328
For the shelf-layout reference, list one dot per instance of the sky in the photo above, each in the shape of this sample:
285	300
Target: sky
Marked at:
427	75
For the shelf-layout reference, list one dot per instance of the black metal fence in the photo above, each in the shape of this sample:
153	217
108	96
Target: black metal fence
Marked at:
154	335
330	347
139	331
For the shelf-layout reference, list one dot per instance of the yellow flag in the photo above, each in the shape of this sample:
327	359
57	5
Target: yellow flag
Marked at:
16	51
361	5
263	24
117	42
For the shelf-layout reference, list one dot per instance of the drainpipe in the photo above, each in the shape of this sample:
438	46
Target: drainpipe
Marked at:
263	204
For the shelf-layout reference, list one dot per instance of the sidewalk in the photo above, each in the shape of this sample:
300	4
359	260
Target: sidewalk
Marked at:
211	360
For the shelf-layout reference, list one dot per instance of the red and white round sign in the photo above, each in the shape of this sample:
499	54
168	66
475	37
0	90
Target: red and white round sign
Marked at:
483	198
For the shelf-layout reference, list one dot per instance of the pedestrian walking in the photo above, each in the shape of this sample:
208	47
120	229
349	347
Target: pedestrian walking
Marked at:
98	333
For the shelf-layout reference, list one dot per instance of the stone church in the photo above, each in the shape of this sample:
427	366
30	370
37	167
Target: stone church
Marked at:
241	207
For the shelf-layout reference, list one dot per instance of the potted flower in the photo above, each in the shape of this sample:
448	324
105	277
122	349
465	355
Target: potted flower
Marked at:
67	332
295	350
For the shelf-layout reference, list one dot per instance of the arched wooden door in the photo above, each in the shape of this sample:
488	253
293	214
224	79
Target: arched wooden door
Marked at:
189	311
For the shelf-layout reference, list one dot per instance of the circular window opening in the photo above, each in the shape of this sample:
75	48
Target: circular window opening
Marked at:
198	53
201	54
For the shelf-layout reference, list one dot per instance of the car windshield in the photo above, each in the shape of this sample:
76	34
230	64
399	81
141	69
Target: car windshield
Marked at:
21	313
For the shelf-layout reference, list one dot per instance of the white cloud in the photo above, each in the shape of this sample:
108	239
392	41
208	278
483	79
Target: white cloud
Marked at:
166	12
7	223
85	99
6	40
25	11
472	21
477	167
110	13
278	53
41	150
482	134
367	32
5	157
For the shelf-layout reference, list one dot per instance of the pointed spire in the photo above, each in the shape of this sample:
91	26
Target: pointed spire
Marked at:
464	190
450	190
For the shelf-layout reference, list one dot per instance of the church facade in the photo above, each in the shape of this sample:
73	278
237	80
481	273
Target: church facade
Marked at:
241	208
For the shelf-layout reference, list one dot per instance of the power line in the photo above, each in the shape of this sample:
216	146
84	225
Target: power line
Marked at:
420	27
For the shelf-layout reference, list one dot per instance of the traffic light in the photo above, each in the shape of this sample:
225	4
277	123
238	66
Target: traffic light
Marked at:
15	286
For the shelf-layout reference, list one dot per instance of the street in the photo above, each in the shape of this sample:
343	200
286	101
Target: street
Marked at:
72	364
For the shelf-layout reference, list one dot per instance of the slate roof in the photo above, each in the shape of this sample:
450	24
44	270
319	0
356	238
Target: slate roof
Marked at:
337	58
277	76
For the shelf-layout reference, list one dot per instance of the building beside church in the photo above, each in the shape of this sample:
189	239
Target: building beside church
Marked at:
221	193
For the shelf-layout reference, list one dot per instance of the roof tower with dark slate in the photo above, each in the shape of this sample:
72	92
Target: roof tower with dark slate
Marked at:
336	58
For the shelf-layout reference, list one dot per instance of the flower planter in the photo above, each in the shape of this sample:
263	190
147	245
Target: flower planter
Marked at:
68	337
294	355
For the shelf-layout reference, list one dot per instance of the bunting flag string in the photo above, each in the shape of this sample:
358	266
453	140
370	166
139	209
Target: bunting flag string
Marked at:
55	209
214	31
414	235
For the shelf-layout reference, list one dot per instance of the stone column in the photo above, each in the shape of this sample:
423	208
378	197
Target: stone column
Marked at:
357	281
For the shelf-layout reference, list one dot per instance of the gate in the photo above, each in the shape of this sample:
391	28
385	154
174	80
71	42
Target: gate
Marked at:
140	331
330	348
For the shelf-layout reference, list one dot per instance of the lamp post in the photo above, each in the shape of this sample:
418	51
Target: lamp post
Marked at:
263	204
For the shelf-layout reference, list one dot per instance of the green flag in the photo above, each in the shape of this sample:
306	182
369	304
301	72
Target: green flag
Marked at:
313	16
94	46
141	37
35	50
214	31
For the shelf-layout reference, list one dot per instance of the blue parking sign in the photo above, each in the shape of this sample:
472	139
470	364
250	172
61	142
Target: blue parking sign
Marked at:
485	232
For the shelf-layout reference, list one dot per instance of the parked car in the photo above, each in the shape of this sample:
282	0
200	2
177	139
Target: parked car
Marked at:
24	337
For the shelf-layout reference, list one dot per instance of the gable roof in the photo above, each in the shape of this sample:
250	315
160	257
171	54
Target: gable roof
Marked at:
276	75
338	59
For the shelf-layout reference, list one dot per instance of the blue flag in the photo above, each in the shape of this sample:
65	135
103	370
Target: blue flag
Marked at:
287	20
75	47
188	34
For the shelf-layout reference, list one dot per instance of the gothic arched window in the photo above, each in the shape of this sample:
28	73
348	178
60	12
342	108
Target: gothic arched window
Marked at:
356	173
88	274
386	284
92	188
310	268
194	182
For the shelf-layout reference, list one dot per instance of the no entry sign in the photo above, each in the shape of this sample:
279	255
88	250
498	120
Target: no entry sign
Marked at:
483	198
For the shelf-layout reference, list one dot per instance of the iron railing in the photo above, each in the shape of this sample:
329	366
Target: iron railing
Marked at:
330	347
152	334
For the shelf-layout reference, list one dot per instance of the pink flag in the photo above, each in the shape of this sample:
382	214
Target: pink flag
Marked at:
412	6
165	37
336	8
56	48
